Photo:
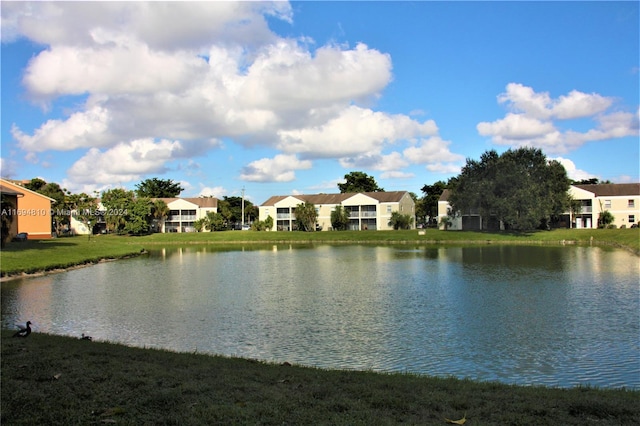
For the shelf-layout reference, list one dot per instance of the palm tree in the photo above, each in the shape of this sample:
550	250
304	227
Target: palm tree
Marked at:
159	212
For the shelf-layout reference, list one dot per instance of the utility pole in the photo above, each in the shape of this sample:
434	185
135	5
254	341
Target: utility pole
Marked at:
242	208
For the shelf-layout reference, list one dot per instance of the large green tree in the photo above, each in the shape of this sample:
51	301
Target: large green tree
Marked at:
306	217
231	209
521	188
125	213
359	182
158	188
427	207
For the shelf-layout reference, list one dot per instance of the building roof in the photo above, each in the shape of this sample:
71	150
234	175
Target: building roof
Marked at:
5	190
319	199
612	189
599	190
9	184
201	202
445	195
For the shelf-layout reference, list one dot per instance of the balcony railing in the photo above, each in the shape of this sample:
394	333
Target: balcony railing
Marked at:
181	218
286	216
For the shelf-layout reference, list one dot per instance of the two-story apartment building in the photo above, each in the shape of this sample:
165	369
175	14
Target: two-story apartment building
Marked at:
183	212
367	210
622	200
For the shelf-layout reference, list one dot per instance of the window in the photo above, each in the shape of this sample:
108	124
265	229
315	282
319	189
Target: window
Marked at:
388	209
631	204
607	204
632	218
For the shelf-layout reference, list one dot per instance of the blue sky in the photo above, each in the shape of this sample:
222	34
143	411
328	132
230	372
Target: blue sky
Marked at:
283	98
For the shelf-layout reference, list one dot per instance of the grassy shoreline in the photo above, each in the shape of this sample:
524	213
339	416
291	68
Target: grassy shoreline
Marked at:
37	257
61	380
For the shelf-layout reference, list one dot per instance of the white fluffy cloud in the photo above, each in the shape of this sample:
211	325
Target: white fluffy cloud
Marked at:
191	72
516	127
281	168
535	119
129	161
126	67
163	25
216	191
432	150
576	104
355	131
572	171
82	129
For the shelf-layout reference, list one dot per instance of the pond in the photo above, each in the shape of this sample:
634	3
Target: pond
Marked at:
558	316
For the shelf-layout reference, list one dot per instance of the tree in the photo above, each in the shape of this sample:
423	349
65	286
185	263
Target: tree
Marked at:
400	221
592	181
125	213
116	202
216	221
35	184
200	224
339	218
137	220
263	225
159	212
306	217
520	188
268	223
428	207
158	188
58	216
231	209
605	219
7	206
359	182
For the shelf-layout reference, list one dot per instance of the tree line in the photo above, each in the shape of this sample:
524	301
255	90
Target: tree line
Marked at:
521	189
132	212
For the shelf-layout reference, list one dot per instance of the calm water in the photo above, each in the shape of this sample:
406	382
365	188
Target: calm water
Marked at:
559	316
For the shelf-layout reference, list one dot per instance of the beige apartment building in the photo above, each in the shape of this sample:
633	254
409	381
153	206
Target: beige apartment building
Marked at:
622	200
367	210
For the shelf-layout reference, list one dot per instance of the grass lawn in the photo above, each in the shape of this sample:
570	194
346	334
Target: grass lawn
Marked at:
61	253
46	255
57	380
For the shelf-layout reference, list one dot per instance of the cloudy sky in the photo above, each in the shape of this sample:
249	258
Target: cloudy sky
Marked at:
280	98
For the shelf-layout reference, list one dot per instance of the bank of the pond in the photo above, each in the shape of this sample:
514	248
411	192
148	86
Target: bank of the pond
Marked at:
58	380
33	257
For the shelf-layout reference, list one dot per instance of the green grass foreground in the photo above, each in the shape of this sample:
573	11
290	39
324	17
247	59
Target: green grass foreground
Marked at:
56	380
46	255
